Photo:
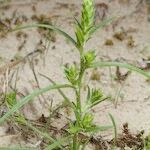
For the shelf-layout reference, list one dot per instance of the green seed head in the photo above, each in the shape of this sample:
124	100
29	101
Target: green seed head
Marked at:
88	13
87	120
11	99
72	74
84	27
89	58
96	95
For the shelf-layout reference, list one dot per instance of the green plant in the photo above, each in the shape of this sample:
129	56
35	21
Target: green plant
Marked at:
83	123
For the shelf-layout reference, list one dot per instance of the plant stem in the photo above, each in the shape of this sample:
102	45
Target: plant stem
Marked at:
78	112
75	139
82	70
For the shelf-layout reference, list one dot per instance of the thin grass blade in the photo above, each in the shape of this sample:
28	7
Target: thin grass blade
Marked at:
55	144
102	25
51	27
115	128
122	65
30	97
59	90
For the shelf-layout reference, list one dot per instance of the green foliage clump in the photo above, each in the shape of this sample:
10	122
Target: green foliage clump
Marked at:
84	119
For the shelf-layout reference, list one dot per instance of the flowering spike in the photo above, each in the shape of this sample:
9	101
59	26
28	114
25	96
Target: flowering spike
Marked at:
83	28
87	20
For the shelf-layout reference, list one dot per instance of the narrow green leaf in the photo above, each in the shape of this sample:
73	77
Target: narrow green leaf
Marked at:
97	102
122	65
77	23
30	97
67	100
102	25
55	144
115	128
79	36
51	27
98	128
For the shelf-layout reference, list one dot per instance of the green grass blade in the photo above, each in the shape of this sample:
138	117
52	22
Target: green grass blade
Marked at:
102	25
99	101
30	97
51	27
55	144
122	65
59	90
115	128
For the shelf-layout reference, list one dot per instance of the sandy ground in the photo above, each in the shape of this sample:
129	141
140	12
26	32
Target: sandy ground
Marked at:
132	95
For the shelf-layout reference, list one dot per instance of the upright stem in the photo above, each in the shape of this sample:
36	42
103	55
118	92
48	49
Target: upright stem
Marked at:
75	141
79	105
